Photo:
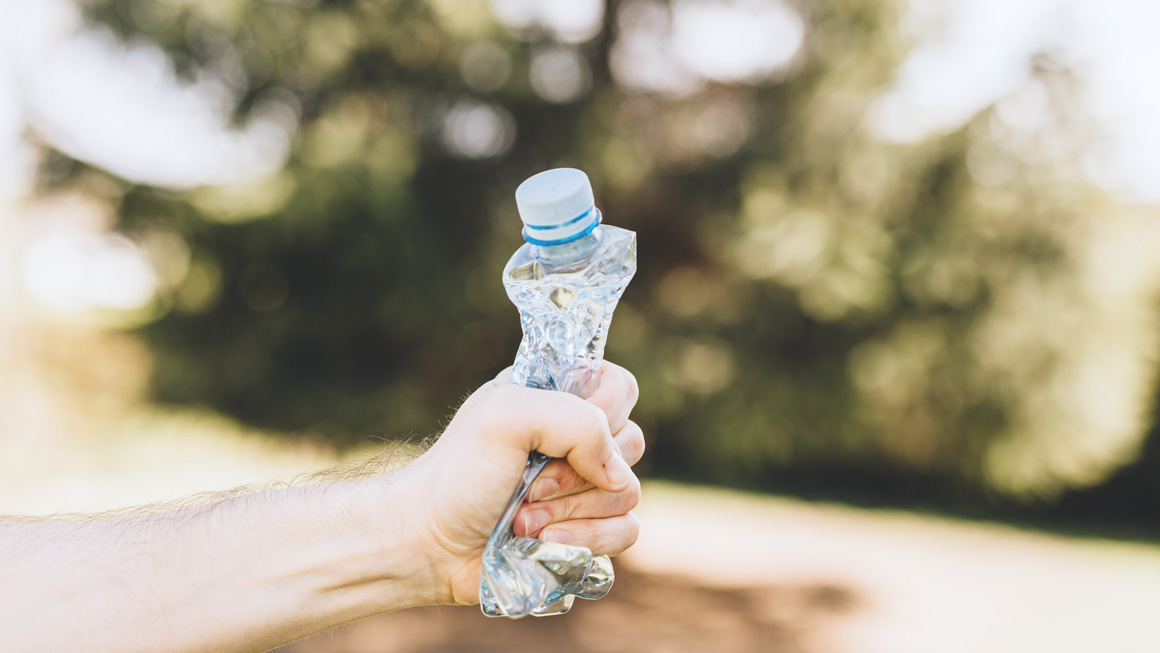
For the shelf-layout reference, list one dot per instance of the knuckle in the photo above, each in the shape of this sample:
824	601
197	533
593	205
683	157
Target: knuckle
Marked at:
485	417
567	508
618	536
630	498
496	415
633	387
632	528
572	482
504	389
632	442
595	421
501	401
559	472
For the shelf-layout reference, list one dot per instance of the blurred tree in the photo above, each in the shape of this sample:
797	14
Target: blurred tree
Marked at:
812	300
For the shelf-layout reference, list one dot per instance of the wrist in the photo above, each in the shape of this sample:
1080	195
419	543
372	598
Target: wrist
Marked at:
385	562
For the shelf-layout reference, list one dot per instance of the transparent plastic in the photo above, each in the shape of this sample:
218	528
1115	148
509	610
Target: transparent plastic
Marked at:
566	295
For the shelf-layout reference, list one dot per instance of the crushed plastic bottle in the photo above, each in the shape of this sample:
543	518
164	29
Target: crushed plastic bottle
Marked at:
565	281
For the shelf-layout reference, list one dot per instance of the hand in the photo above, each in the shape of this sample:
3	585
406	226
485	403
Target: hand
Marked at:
464	482
257	570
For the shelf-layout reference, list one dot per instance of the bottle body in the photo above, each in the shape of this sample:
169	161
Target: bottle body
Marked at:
566	295
566	307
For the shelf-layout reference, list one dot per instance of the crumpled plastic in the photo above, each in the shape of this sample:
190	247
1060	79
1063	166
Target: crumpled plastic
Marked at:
523	576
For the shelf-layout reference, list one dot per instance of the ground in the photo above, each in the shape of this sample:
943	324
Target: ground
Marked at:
725	571
713	571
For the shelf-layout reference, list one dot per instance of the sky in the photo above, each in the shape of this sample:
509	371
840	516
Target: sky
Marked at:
120	107
974	52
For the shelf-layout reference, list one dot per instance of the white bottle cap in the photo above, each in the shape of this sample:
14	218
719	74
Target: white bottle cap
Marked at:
557	206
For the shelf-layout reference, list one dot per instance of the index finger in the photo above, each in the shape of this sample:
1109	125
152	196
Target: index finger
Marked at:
616	393
559	425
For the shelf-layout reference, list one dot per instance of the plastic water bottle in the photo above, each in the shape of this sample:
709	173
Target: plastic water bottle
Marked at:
565	281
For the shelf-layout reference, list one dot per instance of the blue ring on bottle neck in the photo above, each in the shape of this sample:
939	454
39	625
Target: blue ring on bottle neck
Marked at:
564	241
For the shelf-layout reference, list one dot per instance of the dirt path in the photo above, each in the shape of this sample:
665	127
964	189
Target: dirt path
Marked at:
646	613
718	571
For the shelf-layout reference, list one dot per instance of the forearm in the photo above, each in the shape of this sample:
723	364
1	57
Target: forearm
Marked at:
245	574
255	571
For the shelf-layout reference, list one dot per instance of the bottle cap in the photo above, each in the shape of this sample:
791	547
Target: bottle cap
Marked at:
557	206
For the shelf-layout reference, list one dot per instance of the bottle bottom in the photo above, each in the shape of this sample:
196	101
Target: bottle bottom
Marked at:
525	576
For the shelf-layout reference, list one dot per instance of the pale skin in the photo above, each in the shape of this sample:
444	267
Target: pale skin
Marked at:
256	571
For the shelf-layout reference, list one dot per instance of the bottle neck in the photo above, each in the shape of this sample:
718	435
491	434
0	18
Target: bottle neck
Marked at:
568	252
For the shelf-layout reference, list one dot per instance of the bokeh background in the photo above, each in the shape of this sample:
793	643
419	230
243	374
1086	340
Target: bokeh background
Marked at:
898	283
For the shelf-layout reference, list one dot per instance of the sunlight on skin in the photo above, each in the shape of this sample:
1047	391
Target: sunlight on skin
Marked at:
984	587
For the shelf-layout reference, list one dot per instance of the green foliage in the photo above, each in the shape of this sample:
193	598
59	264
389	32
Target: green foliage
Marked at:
809	297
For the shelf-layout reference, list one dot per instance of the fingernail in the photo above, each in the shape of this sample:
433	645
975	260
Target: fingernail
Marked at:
542	489
617	472
557	535
534	520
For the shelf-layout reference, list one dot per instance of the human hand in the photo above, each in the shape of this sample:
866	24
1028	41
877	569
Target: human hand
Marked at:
583	498
268	567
